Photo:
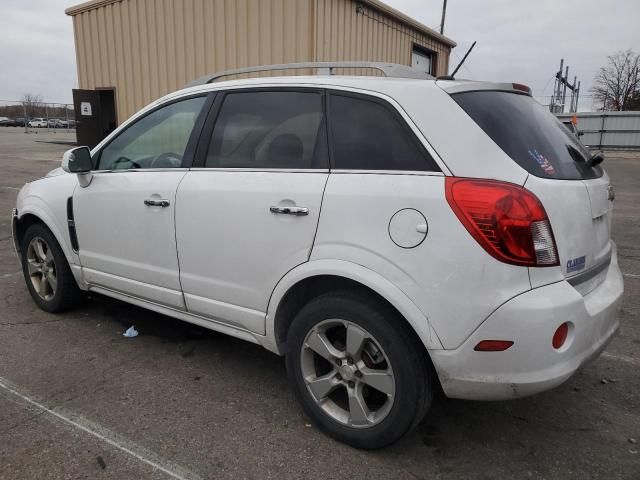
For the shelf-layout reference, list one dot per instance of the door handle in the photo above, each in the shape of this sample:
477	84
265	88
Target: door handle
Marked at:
157	203
297	211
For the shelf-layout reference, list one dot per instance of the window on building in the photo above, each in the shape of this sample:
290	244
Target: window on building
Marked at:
269	129
423	60
368	135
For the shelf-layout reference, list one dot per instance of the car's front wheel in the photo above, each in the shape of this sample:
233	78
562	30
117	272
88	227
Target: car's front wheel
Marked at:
358	370
46	271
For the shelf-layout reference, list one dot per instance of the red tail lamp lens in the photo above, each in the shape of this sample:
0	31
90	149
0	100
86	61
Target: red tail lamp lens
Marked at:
507	220
560	336
493	345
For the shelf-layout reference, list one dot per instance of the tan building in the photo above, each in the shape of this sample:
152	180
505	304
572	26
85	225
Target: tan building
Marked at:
134	51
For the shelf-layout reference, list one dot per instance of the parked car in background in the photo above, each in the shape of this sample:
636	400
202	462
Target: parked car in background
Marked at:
390	236
7	122
19	122
37	123
57	123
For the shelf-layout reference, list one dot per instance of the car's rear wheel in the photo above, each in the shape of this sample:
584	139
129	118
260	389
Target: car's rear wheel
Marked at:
46	271
358	370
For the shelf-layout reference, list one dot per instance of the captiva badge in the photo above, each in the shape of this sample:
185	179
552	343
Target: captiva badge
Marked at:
576	264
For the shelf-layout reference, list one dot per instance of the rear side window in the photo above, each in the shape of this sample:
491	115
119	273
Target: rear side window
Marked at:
269	129
367	135
529	134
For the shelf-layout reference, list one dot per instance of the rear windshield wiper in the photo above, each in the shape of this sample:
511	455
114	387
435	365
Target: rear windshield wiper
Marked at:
595	159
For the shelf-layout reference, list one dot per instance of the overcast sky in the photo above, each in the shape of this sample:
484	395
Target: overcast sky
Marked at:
518	40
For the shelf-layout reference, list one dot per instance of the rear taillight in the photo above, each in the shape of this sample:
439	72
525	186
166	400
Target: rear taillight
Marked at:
507	220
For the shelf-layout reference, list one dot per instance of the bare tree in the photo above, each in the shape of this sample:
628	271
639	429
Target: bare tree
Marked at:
617	86
32	104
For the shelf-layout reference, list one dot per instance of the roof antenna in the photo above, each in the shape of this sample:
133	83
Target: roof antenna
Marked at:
451	77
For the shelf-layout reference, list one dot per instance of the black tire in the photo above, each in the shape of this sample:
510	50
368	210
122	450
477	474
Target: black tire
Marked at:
412	371
66	293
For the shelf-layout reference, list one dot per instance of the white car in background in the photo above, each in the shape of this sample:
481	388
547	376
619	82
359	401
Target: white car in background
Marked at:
37	123
390	236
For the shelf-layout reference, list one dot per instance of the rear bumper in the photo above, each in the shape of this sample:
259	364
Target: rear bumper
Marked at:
532	365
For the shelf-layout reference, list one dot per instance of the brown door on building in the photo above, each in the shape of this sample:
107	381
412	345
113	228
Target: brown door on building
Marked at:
95	112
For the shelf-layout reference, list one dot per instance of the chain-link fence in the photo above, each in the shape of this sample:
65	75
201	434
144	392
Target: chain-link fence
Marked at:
37	115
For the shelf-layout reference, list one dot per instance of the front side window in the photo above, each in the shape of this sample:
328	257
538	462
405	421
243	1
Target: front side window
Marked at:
269	129
367	135
157	140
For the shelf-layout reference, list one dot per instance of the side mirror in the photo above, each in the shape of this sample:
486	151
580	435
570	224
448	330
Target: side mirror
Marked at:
77	160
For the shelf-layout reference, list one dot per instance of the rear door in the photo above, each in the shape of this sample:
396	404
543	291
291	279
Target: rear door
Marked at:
574	194
248	212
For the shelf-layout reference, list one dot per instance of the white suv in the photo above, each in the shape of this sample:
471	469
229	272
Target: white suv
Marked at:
390	236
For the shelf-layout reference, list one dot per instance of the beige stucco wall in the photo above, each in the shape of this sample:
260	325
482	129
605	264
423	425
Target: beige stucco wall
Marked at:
147	48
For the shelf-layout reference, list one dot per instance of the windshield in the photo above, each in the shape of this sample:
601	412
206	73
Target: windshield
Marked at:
529	134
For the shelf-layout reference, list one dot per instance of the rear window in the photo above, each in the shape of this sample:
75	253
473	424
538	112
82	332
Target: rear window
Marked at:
529	134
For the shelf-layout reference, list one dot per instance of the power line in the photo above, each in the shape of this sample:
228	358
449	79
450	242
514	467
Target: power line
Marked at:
548	82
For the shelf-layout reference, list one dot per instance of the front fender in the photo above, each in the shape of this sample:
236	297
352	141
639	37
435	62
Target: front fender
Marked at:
37	207
46	199
357	273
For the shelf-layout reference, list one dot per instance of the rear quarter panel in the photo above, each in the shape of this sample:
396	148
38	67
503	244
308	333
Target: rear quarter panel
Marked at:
451	279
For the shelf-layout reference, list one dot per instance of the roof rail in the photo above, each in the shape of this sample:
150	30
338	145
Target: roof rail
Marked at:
323	68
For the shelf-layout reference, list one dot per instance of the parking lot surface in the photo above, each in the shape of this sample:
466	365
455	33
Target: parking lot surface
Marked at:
78	400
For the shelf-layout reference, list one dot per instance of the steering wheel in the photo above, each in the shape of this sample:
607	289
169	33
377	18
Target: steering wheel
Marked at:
124	160
167	160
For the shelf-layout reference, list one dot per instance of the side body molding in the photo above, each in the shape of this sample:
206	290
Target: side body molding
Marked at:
359	274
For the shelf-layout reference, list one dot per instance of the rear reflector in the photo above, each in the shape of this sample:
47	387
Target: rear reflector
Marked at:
507	220
560	336
493	345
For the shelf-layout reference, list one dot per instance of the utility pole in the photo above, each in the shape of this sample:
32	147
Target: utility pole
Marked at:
444	13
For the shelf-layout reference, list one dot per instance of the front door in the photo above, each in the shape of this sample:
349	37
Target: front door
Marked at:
249	214
125	218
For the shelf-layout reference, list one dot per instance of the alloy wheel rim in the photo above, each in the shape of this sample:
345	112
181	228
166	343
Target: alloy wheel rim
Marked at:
42	268
347	373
